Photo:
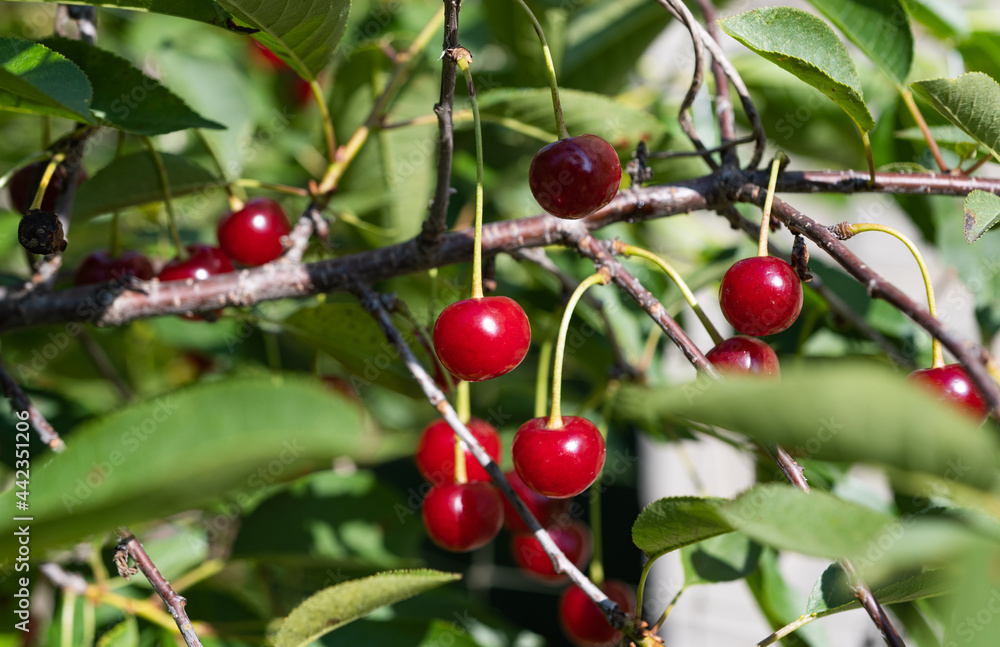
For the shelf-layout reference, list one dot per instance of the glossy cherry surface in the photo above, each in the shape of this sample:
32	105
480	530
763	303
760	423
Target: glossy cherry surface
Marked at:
202	262
547	510
558	463
480	339
742	355
574	177
24	183
761	295
951	383
462	516
573	540
252	235
101	267
436	451
582	621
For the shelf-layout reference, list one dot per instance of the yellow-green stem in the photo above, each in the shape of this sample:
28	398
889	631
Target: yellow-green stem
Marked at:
555	417
31	159
871	158
89	623
632	250
542	378
272	186
551	69
642	586
161	171
464	410
324	113
36	202
765	219
477	250
937	352
666	612
68	613
784	631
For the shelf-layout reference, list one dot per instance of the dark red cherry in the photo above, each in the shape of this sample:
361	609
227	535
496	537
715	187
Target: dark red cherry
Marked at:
741	355
101	267
436	451
462	516
265	57
480	339
761	295
951	383
574	177
558	463
202	262
252	235
583	622
572	539
547	510
24	183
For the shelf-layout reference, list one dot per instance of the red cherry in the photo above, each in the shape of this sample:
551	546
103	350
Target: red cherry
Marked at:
951	383
24	184
265	57
558	463
436	451
299	90
741	355
582	620
252	235
462	516
101	267
202	262
480	339
547	510
761	295
574	177
573	540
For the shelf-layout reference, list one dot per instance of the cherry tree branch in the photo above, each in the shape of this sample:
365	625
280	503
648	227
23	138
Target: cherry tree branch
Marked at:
857	182
20	402
723	103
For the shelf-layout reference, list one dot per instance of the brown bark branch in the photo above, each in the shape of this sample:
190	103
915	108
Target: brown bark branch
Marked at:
20	402
857	182
724	112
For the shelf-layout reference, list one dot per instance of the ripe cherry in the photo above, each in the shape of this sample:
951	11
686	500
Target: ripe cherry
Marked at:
741	355
462	516
101	267
436	451
761	295
480	339
572	539
252	235
574	177
202	262
24	183
547	510
265	57
582	620
951	383
558	463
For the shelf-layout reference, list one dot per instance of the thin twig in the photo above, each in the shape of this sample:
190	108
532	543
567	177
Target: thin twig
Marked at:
175	603
21	403
922	124
103	364
310	222
724	112
896	183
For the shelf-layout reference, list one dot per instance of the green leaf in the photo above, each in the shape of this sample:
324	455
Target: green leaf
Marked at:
880	29
815	523
860	413
303	34
184	450
807	47
831	593
132	180
125	97
206	11
37	80
945	135
971	102
720	559
123	634
944	19
669	524
779	602
982	211
342	603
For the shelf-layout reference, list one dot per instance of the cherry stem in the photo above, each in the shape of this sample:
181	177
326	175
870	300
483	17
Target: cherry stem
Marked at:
922	124
464	410
272	186
666	612
868	155
235	204
936	351
462	59
324	112
631	250
555	418
551	69
50	169
542	378
642	585
161	171
765	219
31	159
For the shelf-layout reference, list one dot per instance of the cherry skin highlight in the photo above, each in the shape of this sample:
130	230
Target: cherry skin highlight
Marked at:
101	267
24	183
462	516
741	355
547	510
436	451
480	339
574	177
558	463
582	621
761	295
951	384
252	235
573	540
202	262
